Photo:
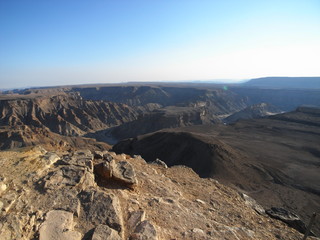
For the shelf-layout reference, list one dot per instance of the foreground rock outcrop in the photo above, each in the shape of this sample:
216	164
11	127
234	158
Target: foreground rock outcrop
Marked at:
65	197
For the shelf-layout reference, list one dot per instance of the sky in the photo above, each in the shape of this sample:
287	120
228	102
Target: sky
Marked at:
59	42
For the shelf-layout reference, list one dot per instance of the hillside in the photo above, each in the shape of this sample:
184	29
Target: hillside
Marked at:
274	160
60	195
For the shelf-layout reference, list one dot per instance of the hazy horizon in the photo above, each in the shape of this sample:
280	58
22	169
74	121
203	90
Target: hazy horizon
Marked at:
80	42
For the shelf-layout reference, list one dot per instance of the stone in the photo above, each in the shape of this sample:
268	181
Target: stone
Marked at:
3	187
64	176
107	157
102	208
159	162
71	204
123	172
104	170
98	155
47	160
253	204
144	231
8	200
82	159
58	226
200	201
87	181
289	218
50	158
102	232
198	230
134	219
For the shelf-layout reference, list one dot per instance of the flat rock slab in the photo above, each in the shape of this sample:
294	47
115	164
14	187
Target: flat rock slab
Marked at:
65	176
102	208
58	226
102	232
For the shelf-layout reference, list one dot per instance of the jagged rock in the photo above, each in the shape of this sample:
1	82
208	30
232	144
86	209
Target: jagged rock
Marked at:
124	172
120	171
135	218
87	181
159	162
253	204
50	158
71	204
69	176
58	226
98	155
82	159
103	232
104	170
107	156
288	217
65	176
144	231
102	208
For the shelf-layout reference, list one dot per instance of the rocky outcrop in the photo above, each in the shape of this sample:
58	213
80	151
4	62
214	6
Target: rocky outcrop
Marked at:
65	114
288	217
167	203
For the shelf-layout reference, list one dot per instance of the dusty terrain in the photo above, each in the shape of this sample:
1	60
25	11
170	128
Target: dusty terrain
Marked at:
275	159
175	202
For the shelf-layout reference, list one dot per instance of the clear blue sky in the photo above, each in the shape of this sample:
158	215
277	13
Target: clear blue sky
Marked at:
98	41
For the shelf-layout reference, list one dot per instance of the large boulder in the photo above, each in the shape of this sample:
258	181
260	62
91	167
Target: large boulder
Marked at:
102	208
58	226
124	172
120	171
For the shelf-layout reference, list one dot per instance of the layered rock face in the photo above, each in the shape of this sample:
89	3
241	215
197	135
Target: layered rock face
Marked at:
67	195
252	112
58	120
169	117
65	114
215	99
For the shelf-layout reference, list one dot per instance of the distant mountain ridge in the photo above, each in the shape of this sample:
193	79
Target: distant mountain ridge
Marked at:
285	82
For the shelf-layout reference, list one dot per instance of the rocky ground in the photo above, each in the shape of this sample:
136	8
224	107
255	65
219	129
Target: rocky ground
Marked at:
101	195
